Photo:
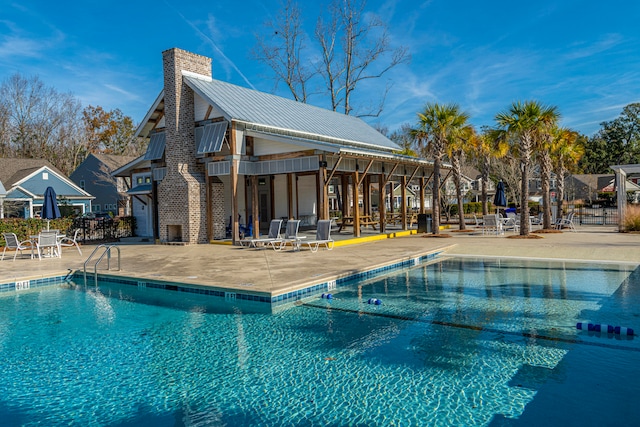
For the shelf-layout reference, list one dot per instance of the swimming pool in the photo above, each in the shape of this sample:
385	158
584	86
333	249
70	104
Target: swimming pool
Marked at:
465	341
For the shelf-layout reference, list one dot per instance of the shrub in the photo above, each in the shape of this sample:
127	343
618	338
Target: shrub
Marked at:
32	226
632	218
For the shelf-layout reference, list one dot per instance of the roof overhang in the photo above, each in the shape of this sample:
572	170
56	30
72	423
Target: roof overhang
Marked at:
126	170
140	190
148	123
294	135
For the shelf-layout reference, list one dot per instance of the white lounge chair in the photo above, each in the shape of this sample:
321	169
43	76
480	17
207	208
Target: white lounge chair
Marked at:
290	236
537	220
12	242
68	242
566	222
511	222
323	236
274	234
491	224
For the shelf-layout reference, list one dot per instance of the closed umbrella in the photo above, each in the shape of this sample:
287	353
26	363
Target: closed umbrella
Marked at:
50	206
500	200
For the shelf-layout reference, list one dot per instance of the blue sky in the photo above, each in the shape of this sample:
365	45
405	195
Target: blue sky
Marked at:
582	56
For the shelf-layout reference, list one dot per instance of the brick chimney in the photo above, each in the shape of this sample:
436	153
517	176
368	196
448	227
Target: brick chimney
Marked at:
182	192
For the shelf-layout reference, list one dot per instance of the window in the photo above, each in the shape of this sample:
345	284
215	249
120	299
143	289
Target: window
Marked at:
147	180
45	176
139	180
95	208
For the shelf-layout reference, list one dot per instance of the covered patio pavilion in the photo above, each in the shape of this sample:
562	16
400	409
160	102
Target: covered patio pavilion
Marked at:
621	172
225	160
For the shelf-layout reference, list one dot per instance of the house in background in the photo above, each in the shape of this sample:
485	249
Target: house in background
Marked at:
585	187
25	181
472	185
140	194
94	176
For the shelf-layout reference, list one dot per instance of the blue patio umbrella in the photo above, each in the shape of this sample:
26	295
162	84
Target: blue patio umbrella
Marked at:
50	206
500	199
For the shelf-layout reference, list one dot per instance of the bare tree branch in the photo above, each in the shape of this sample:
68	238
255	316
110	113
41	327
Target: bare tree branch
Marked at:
282	51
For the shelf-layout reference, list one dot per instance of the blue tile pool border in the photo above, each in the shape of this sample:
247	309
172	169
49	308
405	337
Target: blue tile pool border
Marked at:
21	285
287	297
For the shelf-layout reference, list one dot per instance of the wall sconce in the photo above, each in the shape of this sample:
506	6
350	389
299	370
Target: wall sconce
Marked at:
323	164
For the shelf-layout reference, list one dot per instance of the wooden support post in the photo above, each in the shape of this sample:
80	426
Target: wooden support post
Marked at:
356	208
323	192
289	196
403	193
366	195
235	226
255	208
345	195
422	187
297	213
382	202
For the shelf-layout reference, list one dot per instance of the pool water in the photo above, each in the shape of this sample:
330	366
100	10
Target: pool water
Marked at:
457	342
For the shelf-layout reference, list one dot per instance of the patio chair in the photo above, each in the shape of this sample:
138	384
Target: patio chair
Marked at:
491	224
537	220
290	236
48	241
12	242
68	242
274	234
511	222
323	236
566	222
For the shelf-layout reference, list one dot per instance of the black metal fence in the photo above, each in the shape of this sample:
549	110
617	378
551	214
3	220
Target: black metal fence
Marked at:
596	215
103	229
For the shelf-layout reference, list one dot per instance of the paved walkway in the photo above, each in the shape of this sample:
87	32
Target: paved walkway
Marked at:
267	271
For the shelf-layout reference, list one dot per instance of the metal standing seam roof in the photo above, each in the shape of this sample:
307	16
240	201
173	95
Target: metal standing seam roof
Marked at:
251	106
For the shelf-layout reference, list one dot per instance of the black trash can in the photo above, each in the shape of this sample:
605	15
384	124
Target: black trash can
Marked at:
425	223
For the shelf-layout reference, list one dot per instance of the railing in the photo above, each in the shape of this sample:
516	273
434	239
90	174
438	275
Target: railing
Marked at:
107	253
597	216
104	229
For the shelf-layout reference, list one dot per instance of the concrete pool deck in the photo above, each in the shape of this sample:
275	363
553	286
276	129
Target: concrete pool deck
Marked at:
268	272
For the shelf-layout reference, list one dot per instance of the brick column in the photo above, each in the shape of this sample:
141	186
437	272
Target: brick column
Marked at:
182	193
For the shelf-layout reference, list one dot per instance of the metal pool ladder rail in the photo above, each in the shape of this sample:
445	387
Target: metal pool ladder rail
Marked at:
107	253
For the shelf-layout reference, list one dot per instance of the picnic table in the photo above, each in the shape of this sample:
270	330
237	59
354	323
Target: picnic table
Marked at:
365	220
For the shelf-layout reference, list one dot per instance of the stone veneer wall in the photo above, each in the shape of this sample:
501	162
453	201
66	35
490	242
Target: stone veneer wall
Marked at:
217	210
182	193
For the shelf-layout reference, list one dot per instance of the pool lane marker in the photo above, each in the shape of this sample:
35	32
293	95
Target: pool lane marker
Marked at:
472	327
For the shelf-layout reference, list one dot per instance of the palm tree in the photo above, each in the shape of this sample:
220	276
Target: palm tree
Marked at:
483	149
543	148
456	148
523	123
437	126
566	150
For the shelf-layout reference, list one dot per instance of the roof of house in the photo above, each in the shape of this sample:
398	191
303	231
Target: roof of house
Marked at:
593	181
16	176
113	161
13	170
277	113
271	114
